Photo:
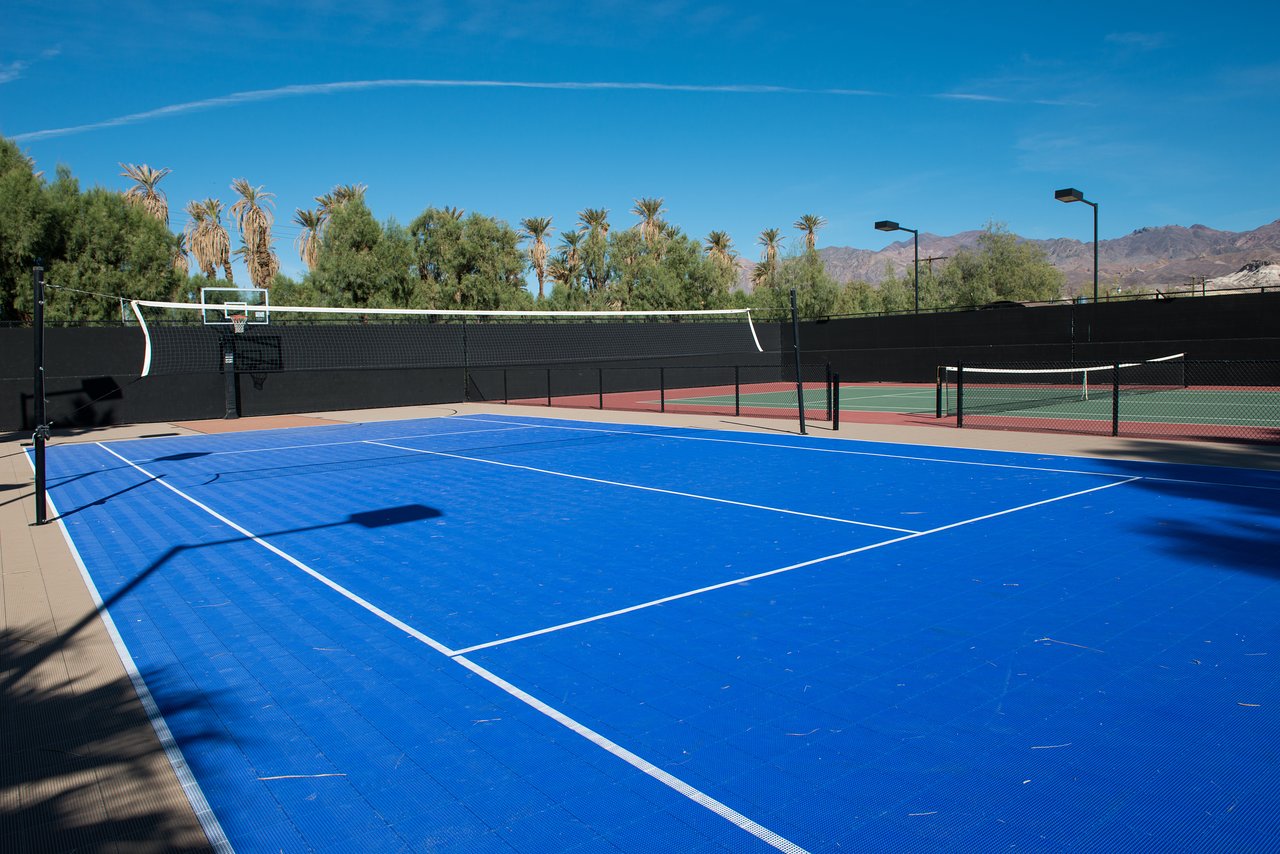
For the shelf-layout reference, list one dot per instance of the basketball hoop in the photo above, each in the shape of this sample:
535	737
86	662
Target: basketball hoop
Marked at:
238	322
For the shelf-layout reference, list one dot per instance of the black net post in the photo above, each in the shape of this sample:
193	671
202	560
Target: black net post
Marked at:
1115	400
828	384
795	339
737	391
937	392
960	395
42	429
835	409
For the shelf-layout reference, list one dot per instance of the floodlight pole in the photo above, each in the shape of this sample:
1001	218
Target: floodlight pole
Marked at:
890	225
1071	194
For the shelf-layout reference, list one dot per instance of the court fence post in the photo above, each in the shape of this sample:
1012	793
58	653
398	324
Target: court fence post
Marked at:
662	389
835	409
960	394
795	339
506	395
548	387
600	385
828	368
1115	400
937	391
38	403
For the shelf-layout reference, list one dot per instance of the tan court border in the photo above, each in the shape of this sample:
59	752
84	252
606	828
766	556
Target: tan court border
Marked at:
80	766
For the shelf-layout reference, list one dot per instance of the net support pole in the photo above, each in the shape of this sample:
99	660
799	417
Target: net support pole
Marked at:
829	397
795	339
42	429
600	385
835	396
737	391
1115	400
548	387
960	395
662	389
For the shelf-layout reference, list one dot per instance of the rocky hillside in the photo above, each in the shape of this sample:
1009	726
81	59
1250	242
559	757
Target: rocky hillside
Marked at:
1166	256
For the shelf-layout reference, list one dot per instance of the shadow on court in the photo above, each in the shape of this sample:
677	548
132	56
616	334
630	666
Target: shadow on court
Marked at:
60	743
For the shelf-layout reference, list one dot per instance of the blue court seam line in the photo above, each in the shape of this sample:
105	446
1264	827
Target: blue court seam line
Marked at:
182	770
766	574
649	435
643	488
643	765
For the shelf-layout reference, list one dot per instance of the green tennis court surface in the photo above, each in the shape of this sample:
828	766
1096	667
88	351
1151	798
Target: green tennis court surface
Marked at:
871	398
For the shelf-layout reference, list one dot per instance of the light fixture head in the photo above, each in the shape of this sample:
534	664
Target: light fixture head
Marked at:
887	225
1070	194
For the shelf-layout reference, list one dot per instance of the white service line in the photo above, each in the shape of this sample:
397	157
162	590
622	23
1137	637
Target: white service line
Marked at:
648	768
348	442
693	495
780	570
809	448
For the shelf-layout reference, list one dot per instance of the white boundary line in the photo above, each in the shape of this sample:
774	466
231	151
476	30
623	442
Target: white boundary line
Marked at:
624	485
759	831
347	441
781	570
908	457
186	778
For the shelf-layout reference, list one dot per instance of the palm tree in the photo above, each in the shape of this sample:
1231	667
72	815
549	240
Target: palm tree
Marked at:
195	236
649	211
254	220
179	260
217	242
720	247
344	193
454	214
809	224
771	239
308	242
563	270
536	228
569	242
595	221
144	192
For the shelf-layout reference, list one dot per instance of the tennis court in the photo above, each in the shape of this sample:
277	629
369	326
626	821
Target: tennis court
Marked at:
497	633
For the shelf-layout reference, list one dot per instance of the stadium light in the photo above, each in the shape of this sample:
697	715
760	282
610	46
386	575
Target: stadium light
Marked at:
890	225
1071	194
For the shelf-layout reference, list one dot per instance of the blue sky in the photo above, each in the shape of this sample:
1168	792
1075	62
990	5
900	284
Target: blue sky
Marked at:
740	115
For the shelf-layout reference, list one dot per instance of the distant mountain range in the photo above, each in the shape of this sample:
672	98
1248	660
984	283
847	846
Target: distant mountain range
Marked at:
1147	259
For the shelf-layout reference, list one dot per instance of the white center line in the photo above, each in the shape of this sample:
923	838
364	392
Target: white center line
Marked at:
642	488
780	570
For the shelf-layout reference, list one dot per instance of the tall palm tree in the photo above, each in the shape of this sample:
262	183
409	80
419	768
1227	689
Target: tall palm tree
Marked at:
563	270
308	242
195	235
179	259
650	212
253	217
536	228
344	193
569	243
595	221
809	224
454	214
216	240
720	247
144	193
771	239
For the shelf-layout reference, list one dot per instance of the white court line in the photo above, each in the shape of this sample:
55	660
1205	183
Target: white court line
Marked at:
693	495
648	768
781	570
347	442
840	451
182	770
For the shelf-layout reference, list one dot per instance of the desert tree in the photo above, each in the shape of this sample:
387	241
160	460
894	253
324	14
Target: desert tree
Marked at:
308	240
253	218
650	212
145	192
809	224
537	228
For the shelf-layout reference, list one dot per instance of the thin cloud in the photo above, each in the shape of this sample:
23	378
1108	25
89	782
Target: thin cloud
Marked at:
969	96
996	99
261	95
12	71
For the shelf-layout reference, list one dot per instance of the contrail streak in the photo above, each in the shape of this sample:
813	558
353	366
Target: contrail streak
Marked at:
259	95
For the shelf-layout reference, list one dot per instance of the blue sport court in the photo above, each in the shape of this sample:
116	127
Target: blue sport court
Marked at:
496	633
